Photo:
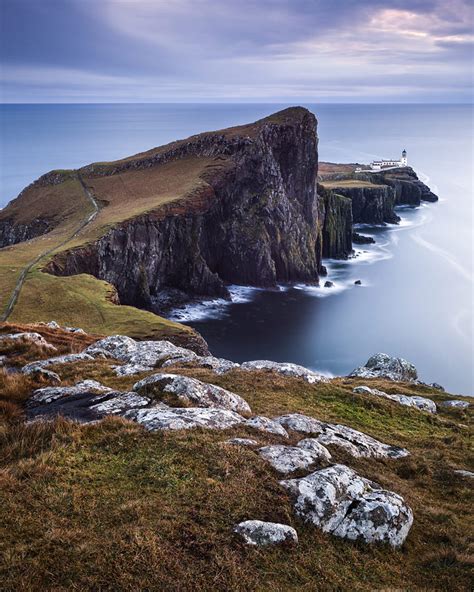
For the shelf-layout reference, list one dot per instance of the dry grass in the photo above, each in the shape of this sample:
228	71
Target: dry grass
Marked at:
112	507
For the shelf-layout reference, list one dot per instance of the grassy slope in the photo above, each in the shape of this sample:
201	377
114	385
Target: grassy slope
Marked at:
83	300
111	507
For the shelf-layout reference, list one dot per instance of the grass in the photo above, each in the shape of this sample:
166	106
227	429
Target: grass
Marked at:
353	183
112	507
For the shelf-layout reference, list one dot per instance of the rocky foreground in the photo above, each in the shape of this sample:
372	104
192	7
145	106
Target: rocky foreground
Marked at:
318	462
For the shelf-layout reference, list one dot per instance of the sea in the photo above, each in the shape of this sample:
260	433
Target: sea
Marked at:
416	297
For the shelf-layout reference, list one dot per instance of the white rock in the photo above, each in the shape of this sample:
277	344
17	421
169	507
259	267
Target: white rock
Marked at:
285	368
359	444
264	424
315	448
217	365
384	366
139	356
421	403
464	473
33	338
192	391
456	404
156	418
33	367
49	394
339	501
120	403
301	423
288	459
256	532
242	442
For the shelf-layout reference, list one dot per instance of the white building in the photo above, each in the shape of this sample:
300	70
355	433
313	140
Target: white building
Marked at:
376	165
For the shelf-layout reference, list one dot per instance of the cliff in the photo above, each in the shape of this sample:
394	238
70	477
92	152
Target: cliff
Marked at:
252	217
336	213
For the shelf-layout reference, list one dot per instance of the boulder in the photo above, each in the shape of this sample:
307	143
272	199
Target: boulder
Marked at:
29	337
328	284
301	423
455	404
34	367
285	368
217	365
139	356
339	501
315	448
358	444
156	418
46	395
384	366
421	403
288	459
264	424
192	392
464	473
119	404
256	532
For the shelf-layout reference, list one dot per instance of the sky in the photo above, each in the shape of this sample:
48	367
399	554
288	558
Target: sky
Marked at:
87	51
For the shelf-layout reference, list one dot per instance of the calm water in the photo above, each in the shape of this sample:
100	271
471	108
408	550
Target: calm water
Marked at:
417	292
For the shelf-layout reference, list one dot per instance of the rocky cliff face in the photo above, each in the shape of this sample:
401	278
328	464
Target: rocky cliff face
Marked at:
12	232
336	213
371	204
256	222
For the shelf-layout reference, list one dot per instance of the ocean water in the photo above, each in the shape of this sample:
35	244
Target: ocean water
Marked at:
416	298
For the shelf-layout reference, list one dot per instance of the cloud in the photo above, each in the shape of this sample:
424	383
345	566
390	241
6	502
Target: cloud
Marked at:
251	49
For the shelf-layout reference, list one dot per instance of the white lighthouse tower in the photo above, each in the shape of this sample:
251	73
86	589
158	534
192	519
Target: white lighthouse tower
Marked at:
404	160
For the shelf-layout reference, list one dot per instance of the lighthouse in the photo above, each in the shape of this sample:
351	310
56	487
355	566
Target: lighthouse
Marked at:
404	160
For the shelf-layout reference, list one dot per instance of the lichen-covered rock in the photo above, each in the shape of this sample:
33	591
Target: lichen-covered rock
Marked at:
256	532
455	404
242	442
33	367
384	366
316	448
301	423
217	365
46	395
29	337
156	418
192	391
286	369
341	502
421	403
119	404
139	356
264	424
354	442
358	444
288	459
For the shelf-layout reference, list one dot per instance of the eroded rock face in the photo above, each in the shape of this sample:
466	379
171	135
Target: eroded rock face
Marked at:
264	424
285	368
384	366
256	532
288	459
339	501
156	418
253	222
46	395
191	391
421	403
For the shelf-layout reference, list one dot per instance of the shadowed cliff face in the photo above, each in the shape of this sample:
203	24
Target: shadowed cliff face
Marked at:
254	222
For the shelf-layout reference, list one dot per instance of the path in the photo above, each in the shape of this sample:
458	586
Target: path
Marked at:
21	280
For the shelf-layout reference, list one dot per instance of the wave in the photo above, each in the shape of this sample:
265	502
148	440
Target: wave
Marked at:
453	262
